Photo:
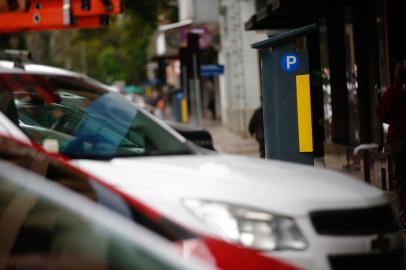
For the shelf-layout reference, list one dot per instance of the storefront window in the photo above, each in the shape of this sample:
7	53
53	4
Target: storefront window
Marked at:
352	78
382	47
325	73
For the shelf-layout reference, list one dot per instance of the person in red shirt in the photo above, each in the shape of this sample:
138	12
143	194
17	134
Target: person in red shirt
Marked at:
392	111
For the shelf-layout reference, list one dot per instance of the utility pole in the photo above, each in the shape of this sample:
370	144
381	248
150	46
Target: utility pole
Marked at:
190	74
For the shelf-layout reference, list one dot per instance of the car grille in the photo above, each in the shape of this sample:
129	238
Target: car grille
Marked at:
375	220
392	261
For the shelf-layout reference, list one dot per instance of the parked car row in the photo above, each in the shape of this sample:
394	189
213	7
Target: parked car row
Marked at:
229	211
55	170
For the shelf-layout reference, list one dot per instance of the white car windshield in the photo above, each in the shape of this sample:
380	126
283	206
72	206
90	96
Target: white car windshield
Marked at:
82	118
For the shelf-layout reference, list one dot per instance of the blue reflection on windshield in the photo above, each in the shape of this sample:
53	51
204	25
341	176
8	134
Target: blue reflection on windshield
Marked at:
108	113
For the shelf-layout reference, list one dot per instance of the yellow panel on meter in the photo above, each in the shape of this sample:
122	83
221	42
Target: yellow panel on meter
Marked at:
304	113
184	111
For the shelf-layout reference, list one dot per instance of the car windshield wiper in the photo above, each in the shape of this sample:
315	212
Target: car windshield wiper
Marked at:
156	153
95	156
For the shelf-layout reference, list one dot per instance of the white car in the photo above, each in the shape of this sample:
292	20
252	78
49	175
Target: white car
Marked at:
312	218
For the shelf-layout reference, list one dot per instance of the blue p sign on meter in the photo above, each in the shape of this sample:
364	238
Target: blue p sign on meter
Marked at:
290	62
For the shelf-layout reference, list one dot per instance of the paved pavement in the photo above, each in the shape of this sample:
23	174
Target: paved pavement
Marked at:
227	142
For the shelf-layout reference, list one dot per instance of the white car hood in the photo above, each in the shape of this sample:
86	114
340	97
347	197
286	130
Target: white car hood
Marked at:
273	186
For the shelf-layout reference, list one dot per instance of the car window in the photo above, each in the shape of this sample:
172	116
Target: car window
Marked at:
36	233
87	121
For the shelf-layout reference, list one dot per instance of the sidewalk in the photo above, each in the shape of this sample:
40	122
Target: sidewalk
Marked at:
227	142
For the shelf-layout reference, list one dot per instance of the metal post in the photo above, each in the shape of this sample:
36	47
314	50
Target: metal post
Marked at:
198	101
184	82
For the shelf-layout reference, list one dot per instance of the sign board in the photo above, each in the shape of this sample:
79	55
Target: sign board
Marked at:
290	62
45	15
211	70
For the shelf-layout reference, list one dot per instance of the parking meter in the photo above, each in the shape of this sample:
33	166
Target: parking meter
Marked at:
285	86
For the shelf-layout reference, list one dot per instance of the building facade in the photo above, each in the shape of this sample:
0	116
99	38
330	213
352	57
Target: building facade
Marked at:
352	59
240	86
199	18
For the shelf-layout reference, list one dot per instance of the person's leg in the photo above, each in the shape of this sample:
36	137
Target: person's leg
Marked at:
398	153
261	149
212	108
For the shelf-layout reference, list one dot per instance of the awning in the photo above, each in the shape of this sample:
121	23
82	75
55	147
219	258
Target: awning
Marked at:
169	38
290	14
133	89
176	25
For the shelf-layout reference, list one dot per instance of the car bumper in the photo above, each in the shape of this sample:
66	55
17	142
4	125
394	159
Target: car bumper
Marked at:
346	252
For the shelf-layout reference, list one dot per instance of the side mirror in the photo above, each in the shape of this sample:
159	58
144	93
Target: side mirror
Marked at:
196	135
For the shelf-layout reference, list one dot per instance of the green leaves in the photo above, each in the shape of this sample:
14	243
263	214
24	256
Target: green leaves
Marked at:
119	52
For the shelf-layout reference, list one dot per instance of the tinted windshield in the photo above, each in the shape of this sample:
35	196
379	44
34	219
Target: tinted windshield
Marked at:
86	120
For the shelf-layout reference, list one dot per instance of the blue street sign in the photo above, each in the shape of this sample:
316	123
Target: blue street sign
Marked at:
290	62
211	70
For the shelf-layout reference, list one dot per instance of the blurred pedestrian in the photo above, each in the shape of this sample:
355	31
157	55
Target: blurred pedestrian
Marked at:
392	111
211	104
159	105
256	127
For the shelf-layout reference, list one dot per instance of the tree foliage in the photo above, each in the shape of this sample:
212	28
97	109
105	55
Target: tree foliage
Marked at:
117	52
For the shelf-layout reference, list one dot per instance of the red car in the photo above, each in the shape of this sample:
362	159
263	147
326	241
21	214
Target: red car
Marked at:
55	168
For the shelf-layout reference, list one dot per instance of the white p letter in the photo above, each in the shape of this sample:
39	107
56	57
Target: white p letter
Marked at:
291	60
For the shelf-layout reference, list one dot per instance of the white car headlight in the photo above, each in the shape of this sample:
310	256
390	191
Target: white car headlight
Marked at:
249	227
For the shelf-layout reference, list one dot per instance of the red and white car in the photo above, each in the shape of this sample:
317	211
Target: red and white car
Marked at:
312	218
216	253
